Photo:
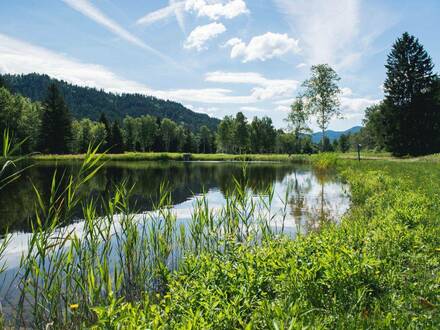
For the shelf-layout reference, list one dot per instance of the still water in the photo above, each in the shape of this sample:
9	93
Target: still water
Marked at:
311	195
303	197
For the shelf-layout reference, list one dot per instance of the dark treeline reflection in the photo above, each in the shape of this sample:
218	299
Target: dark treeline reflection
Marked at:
184	180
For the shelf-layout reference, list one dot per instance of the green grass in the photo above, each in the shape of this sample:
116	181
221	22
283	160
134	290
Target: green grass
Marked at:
378	268
153	156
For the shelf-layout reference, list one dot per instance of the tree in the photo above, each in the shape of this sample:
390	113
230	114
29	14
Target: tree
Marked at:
344	143
131	133
373	130
205	139
410	113
241	133
168	131
117	139
148	132
285	142
107	142
322	93
262	134
3	83
297	121
56	124
225	135
180	135
326	145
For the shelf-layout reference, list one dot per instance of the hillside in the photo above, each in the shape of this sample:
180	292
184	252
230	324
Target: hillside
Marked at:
334	135
87	102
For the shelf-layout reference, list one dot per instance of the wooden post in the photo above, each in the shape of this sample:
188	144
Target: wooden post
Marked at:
359	151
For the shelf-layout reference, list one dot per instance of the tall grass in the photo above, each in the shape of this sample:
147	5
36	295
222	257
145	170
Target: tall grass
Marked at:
70	270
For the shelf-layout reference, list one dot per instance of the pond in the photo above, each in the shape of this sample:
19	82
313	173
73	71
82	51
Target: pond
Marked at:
302	197
311	195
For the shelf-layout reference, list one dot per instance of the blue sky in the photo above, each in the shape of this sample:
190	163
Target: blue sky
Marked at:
215	56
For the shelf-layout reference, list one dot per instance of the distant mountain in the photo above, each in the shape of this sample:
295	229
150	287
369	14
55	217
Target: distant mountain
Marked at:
85	102
334	135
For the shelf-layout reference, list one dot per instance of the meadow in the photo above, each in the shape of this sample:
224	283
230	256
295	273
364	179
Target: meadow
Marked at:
379	267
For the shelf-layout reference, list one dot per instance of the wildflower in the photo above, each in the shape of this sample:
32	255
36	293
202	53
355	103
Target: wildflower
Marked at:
74	307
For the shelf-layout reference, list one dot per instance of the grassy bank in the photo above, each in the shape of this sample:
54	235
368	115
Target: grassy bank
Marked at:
378	268
154	156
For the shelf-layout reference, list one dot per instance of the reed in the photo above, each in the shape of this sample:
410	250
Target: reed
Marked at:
68	270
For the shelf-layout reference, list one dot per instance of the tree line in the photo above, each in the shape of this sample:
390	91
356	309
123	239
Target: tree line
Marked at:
407	121
48	127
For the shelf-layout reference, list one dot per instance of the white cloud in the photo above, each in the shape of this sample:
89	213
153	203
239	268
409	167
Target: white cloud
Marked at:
87	9
252	109
285	102
352	106
263	47
337	32
18	57
175	8
267	88
212	111
201	34
301	65
282	108
216	9
346	91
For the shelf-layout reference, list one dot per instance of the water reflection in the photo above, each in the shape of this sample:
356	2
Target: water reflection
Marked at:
312	197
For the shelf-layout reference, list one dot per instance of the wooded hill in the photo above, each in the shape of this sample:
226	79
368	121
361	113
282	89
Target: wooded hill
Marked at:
85	102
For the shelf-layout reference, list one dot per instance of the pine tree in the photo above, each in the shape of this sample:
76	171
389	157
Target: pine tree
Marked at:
241	133
410	114
56	124
117	139
106	145
3	83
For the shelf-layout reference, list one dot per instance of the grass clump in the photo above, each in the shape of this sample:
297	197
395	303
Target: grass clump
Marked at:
324	161
378	269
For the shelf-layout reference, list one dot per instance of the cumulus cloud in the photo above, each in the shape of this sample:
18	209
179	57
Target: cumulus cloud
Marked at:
216	9
263	47
201	34
266	88
355	106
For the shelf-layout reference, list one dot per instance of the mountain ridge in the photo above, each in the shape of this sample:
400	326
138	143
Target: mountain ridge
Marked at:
334	135
88	102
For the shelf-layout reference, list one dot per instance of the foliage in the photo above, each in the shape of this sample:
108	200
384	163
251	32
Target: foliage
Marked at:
241	133
325	161
56	124
297	118
19	115
344	143
410	112
377	269
322	93
85	102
